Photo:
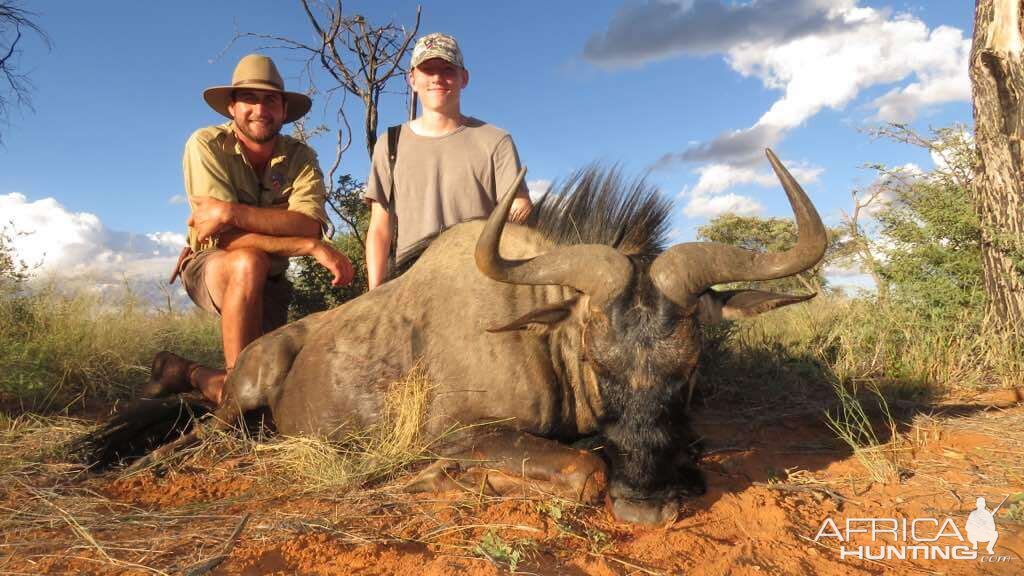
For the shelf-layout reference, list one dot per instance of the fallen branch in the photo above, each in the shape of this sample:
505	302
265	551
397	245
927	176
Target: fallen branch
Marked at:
208	565
787	487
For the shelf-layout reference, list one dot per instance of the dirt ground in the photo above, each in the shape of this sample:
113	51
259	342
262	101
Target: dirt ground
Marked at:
773	482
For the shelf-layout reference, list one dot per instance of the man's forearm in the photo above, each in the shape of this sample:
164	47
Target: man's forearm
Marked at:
274	221
276	245
377	247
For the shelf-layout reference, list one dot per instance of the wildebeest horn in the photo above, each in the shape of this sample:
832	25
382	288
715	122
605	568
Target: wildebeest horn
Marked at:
597	270
685	270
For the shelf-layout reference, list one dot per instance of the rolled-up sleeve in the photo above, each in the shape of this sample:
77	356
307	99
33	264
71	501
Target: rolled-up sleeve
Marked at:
205	177
308	192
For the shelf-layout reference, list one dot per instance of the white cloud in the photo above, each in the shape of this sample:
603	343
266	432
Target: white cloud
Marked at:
829	70
538	188
170	240
707	197
711	206
177	199
883	188
62	243
940	64
715	178
69	242
839	50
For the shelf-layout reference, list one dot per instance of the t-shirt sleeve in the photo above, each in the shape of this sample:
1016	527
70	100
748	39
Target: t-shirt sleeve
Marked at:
308	192
506	168
204	176
378	182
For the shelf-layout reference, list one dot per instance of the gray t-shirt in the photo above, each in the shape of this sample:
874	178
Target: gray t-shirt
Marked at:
442	181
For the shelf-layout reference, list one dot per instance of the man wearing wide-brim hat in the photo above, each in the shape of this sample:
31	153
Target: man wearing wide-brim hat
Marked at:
257	198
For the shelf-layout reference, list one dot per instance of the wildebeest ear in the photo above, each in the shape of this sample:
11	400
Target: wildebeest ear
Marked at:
541	318
716	306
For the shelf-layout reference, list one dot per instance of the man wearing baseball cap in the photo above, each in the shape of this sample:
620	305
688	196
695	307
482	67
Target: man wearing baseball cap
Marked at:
257	198
448	168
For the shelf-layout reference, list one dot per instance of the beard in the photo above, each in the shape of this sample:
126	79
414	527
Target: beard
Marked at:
265	131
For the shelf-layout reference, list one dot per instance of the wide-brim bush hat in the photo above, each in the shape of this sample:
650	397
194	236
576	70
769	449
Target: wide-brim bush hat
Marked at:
257	72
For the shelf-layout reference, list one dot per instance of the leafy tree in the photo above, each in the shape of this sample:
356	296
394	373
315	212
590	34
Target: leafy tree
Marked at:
931	236
768	235
312	283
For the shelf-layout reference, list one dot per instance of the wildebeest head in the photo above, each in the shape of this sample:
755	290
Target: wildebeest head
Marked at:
638	319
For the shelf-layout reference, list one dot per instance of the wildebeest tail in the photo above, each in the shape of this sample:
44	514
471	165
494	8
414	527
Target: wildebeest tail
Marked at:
136	429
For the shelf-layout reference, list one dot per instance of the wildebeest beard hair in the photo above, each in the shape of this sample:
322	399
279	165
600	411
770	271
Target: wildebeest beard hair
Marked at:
647	427
593	206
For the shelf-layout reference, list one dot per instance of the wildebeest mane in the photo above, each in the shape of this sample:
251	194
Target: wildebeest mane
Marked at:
596	206
593	206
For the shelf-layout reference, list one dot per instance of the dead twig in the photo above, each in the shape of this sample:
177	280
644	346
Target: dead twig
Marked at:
801	488
208	565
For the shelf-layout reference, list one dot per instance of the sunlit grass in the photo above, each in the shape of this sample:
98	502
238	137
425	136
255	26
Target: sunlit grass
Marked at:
60	349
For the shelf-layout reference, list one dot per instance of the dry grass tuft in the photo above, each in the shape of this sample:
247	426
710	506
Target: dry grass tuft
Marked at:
882	459
378	453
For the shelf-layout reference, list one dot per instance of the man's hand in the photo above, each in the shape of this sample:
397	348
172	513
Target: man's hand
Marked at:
521	208
210	216
336	263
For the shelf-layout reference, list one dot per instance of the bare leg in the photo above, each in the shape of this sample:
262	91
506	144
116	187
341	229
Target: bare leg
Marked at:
235	280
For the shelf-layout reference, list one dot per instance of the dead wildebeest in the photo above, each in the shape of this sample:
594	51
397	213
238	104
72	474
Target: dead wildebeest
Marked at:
583	325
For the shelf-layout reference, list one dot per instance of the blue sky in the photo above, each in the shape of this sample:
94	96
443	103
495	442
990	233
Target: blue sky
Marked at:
651	85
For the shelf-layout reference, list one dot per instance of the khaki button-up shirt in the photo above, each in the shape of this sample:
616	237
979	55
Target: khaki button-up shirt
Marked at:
215	167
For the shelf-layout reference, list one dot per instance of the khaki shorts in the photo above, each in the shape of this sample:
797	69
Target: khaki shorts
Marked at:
277	293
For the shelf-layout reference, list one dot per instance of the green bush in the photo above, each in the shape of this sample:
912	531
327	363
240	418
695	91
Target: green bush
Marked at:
934	264
312	283
768	235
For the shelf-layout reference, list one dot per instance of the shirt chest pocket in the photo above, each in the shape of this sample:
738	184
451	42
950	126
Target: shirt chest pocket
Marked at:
277	189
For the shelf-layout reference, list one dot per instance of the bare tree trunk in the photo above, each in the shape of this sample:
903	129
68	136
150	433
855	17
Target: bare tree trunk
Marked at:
997	77
370	123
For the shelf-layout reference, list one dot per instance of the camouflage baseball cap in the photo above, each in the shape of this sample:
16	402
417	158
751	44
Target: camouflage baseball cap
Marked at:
437	45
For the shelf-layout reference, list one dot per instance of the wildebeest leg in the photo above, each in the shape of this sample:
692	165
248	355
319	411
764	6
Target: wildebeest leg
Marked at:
227	415
503	461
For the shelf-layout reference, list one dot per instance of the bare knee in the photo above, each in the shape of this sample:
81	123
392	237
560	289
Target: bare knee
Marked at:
247	267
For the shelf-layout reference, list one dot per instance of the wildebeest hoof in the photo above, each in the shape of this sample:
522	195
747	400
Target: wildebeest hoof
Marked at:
651	513
169	375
